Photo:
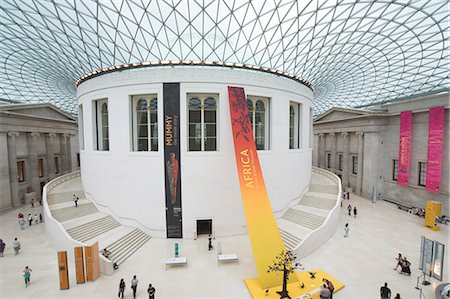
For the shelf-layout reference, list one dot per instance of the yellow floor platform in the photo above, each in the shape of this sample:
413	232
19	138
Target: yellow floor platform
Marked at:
311	287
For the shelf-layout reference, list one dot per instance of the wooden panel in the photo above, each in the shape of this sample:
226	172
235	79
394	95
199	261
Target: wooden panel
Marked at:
92	262
79	264
63	270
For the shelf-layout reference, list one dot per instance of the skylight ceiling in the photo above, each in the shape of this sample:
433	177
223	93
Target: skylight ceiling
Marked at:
353	52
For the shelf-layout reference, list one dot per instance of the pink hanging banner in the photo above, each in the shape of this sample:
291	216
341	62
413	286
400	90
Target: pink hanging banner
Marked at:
435	139
403	152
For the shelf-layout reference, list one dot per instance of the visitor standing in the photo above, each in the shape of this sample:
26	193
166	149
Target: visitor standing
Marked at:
324	292
134	284
21	223
355	211
151	292
36	218
346	230
27	275
349	209
210	247
16	246
30	219
121	288
330	286
32	202
41	219
2	247
385	292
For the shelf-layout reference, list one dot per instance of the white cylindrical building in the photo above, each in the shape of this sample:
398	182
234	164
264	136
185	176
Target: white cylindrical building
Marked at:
122	127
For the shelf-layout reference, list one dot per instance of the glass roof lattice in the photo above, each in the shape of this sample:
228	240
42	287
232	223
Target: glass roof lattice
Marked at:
354	52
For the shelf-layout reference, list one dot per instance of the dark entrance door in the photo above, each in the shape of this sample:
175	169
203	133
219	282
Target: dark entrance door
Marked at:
204	227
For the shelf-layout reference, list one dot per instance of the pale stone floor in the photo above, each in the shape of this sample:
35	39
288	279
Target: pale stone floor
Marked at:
363	262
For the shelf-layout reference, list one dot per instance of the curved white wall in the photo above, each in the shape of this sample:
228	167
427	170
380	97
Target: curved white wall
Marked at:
132	183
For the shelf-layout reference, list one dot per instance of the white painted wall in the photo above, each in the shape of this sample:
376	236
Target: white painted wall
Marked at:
131	184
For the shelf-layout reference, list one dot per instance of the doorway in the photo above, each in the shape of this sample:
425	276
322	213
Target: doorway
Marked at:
204	227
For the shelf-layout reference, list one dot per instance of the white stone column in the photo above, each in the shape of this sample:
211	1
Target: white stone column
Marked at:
316	150
321	151
333	152
64	153
50	138
5	189
346	159
13	175
359	176
33	174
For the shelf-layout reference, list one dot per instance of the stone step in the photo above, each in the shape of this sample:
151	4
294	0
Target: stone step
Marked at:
69	213
127	245
94	228
289	240
303	218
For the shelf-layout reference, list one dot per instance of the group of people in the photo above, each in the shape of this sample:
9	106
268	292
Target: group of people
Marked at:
404	265
349	209
37	218
16	246
134	284
327	289
385	292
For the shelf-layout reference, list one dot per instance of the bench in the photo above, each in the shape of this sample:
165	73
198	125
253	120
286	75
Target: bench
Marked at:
176	261
230	257
401	205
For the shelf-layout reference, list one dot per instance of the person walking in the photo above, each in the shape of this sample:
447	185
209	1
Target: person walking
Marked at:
210	247
21	223
76	199
41	219
151	292
16	246
346	230
385	292
30	219
32	202
355	211
36	218
2	247
349	209
27	275
134	284
399	261
121	288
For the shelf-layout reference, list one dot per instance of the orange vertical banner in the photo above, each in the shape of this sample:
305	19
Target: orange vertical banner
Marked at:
79	264
262	228
92	262
63	270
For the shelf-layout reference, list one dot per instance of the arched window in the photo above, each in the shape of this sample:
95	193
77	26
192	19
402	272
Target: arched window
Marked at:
294	125
145	123
258	109
102	125
202	113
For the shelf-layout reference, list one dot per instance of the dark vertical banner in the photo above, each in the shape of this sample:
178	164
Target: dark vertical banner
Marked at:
172	162
404	147
435	139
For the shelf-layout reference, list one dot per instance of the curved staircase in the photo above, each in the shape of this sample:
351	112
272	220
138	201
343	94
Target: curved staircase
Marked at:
86	224
310	216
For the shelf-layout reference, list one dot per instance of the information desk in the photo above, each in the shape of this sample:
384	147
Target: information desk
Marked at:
230	257
176	261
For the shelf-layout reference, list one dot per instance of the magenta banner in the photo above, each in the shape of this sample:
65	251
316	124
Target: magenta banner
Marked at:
435	138
403	152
